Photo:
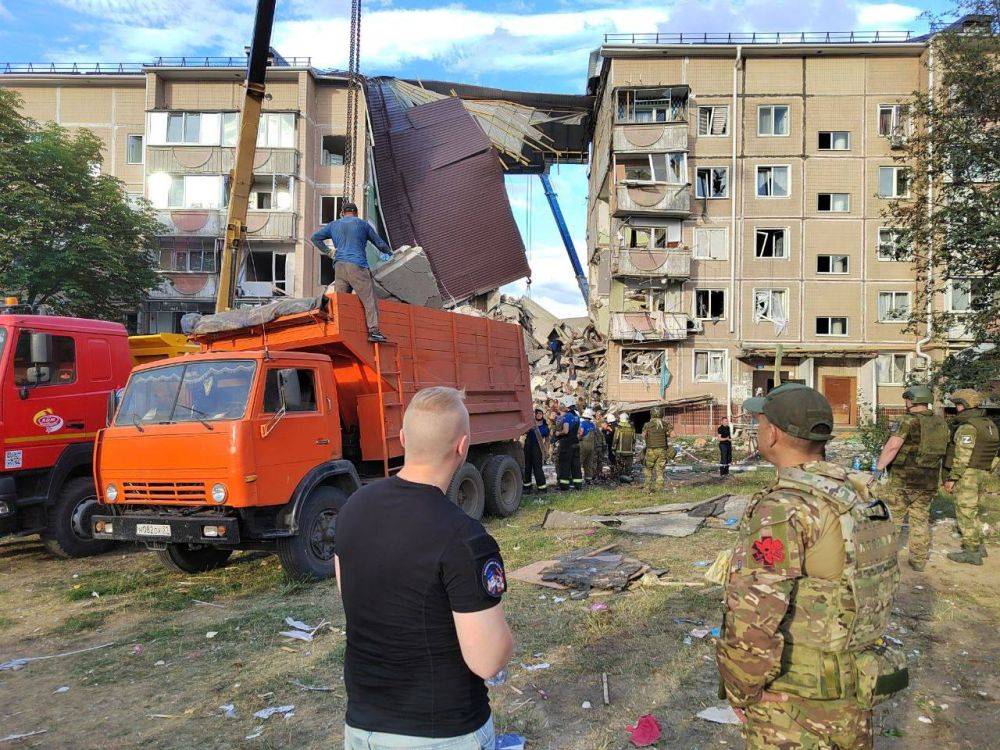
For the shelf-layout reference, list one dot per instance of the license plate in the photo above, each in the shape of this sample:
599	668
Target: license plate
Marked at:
152	529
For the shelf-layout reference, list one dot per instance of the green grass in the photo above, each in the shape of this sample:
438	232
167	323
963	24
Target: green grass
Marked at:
6	623
81	623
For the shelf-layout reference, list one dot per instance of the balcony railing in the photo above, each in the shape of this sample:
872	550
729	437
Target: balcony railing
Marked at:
641	263
197	222
218	160
647	137
113	68
649	326
764	37
653	199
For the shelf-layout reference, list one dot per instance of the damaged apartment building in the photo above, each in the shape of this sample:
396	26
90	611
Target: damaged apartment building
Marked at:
738	187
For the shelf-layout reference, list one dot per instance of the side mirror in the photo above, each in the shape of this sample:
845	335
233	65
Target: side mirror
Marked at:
114	401
22	392
41	348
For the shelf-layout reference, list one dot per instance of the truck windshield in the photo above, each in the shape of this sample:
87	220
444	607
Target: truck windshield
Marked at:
194	392
3	340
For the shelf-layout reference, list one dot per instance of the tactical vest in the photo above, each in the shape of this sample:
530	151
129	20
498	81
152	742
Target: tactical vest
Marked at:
927	449
987	438
831	621
624	443
656	434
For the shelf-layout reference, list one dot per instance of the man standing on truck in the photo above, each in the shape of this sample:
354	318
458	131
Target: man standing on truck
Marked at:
421	584
350	236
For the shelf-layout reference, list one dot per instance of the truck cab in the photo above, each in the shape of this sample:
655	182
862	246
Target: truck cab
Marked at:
56	375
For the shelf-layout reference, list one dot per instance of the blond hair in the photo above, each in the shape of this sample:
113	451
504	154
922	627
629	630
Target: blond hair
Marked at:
434	421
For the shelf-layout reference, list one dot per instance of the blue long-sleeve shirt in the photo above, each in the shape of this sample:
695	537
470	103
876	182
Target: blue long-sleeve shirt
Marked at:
350	236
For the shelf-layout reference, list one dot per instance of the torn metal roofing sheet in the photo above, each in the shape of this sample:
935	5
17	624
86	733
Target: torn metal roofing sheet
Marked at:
441	187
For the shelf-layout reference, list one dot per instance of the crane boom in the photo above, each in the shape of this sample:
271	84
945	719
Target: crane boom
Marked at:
241	179
574	259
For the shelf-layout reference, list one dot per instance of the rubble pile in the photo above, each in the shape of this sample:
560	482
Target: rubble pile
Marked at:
579	370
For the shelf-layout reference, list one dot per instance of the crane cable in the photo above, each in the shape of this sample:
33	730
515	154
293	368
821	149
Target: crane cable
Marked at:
353	106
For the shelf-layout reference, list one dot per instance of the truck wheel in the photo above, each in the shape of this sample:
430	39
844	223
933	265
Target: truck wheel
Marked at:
502	479
309	554
193	558
467	491
68	532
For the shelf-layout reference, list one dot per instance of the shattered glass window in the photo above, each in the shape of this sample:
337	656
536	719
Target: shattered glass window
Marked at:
642	364
771	243
771	305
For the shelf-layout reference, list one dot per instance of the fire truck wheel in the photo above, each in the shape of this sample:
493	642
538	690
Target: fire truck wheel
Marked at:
502	478
69	532
193	558
467	491
309	554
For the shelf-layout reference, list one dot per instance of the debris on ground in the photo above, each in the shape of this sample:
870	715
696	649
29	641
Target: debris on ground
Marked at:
267	713
671	519
301	631
228	710
510	742
584	570
535	667
645	732
313	688
719	715
16	664
25	735
63	689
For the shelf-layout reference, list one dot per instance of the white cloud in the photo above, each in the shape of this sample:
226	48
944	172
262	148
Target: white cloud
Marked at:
888	16
6	14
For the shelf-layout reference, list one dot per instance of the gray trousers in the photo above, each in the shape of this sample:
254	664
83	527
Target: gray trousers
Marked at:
359	739
350	277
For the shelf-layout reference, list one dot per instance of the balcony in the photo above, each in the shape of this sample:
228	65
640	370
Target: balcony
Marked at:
218	160
196	222
646	137
649	264
652	199
649	326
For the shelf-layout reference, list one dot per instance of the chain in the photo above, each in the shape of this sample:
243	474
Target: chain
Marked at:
353	106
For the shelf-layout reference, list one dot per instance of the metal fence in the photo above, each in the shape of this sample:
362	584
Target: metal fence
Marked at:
763	37
99	68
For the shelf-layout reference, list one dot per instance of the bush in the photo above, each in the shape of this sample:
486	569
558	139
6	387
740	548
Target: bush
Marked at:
872	434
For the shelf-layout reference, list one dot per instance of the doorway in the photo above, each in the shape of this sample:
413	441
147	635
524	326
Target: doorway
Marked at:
841	392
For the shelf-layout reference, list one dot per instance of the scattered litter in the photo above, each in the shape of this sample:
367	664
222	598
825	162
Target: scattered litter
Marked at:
63	689
604	688
586	704
982	694
297	635
687	640
558	599
701	563
583	570
700	632
510	742
159	663
297	624
925	719
314	688
598	607
229	710
16	737
645	732
715	632
137	649
719	715
199	602
255	734
535	667
16	664
95	595
211	633
267	713
893	640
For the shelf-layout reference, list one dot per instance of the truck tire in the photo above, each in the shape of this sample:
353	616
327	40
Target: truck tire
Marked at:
68	532
467	491
502	478
309	554
193	558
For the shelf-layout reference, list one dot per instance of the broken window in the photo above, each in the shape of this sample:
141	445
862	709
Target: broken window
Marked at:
133	149
642	364
832	264
834	202
893	182
891	369
271	272
334	148
710	366
893	306
670	168
187	254
834	140
709	304
771	243
772	182
892	121
652	105
713	120
890	247
771	305
274	193
712	182
276	130
772	120
653	238
711	243
831	326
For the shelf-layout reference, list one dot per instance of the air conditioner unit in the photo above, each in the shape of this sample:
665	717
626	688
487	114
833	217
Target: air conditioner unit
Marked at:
695	326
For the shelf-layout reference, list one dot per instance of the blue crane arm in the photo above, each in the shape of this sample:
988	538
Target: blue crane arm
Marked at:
557	214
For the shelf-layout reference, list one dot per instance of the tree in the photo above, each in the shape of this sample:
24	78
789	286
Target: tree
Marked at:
951	225
69	238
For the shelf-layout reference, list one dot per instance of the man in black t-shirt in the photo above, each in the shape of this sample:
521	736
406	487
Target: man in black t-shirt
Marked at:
421	584
725	446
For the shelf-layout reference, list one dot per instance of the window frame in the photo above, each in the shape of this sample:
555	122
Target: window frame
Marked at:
652	169
142	147
896	257
832	210
712	108
28	332
622	378
893	292
291	412
706	231
772	167
710	170
845	256
770	290
184	115
629	92
892	359
788	120
898	121
786	243
830	319
896	171
831	133
708	370
708	291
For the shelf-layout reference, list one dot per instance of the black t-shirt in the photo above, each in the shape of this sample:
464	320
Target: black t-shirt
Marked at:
409	557
724	431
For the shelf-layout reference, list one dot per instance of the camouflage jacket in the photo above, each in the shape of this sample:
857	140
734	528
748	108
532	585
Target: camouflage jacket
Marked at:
811	578
974	444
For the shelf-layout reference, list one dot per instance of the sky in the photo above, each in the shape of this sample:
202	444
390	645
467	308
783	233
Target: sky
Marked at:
540	45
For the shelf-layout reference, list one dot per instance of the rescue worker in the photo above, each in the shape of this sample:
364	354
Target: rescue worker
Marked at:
588	444
568	469
913	455
602	461
534	439
808	591
656	436
623	447
974	445
608	433
350	236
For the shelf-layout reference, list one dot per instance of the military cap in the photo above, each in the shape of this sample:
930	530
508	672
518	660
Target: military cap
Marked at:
797	409
970	398
919	394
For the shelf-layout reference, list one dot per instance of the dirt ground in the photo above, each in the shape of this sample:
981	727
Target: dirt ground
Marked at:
162	682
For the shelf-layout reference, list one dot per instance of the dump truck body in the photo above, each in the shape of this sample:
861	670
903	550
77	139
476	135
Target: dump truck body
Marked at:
247	433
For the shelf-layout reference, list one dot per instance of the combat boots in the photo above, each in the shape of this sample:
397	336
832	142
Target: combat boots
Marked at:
967	556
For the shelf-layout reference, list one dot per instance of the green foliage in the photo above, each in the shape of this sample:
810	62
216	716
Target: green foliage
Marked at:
68	236
872	434
951	222
970	369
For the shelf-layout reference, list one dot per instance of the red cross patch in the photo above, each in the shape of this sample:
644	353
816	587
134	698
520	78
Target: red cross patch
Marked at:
768	550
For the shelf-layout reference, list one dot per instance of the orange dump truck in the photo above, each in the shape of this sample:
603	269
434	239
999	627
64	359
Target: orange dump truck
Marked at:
256	441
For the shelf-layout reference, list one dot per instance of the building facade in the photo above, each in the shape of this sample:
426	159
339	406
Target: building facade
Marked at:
737	200
169	132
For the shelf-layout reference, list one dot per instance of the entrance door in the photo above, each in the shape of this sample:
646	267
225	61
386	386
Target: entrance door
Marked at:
841	392
763	380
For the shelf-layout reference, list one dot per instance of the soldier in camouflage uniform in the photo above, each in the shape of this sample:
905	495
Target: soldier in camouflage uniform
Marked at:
913	454
623	447
656	435
973	447
808	591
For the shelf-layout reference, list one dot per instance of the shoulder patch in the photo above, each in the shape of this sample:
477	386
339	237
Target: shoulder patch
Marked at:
967	440
493	578
768	550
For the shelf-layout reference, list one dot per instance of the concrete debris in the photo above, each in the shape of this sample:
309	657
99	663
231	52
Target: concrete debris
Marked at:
408	277
583	570
719	715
